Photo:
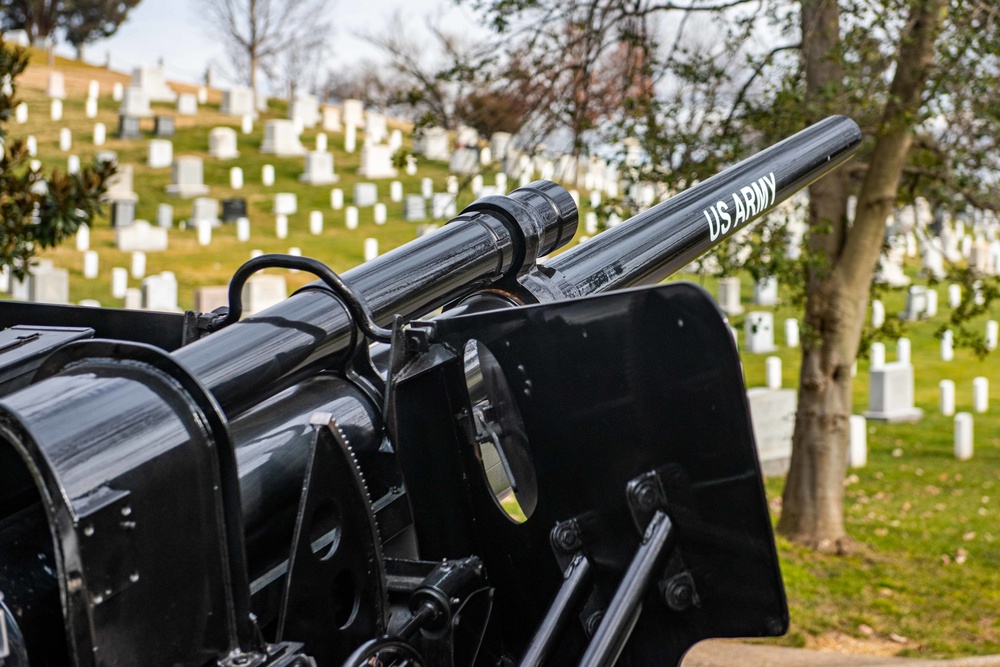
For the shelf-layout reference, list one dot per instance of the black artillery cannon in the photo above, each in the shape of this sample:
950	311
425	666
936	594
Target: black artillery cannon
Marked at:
550	472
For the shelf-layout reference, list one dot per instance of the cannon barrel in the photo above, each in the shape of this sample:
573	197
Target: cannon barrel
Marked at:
245	362
661	240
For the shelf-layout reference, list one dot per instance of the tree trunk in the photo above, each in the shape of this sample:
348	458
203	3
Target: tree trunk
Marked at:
837	289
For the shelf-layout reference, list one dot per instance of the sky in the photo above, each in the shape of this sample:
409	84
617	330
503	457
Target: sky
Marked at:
173	30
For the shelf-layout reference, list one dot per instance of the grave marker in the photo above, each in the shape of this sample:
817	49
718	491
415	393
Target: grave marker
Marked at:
138	264
65	139
281	226
222	143
414	208
319	169
188	177
365	194
233	209
890	394
765	291
286	203
119	282
90	264
262	291
236	178
140	236
791	332
772	372
396	191
963	436
165	216
351	217
56	110
267	175
857	453
379	211
980	394
83	238
336	199
187	104
282	139
729	295
947	402
160	153
315	223
243	230
376	162
163	126
759	332
100	134
371	249
877	356
947	345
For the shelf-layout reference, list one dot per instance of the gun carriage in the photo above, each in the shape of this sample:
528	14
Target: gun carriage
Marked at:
552	471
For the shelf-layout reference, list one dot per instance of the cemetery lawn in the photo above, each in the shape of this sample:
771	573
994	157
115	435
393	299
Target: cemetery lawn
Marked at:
924	576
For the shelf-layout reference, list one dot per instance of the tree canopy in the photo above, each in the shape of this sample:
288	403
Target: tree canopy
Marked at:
38	210
79	21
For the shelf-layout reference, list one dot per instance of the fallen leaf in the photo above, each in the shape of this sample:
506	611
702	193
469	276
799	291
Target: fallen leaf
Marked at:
899	639
866	630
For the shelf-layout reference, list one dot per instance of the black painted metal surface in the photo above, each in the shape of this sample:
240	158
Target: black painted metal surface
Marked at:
609	387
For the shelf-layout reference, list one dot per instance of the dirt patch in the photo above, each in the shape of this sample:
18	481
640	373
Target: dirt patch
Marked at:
839	642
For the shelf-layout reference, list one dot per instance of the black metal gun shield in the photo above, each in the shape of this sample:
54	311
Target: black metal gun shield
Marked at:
609	388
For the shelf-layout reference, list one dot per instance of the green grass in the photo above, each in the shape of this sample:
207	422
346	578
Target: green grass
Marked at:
913	511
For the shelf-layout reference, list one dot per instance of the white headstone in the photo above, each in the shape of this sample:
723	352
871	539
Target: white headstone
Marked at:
153	83
375	128
336	199
916	303
243	229
319	169
857	455
947	388
759	332
451	185
954	295
878	314
477	185
100	134
304	109
791	332
286	203
93	88
772	372
992	333
371	249
903	350
202	95
236	178
119	282
331	119
315	222
729	295
281	226
890	394
590	223
980	394
159	292
932	302
188	177
411	165
73	164
501	183
395	140
963	436
237	101
160	153
187	104
204	208
353	112
246	124
281	138
351	217
947	345
140	235
426	188
165	216
380	214
90	264
877	355
83	238
772	413
350	138
267	175
365	194
376	162
138	264
204	232
222	143
56	110
321	142
31	143
90	107
133	298
117	91
765	291
414	208
432	143
135	103
396	191
21	113
65	139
